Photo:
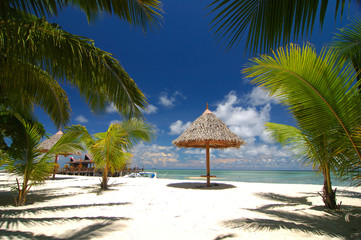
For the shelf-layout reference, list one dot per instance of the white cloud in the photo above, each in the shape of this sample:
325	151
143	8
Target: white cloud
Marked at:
165	101
153	156
111	108
170	101
258	97
151	109
248	123
81	119
178	127
195	151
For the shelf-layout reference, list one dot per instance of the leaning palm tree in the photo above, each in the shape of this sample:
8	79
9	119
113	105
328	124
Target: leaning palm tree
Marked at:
110	149
318	155
270	23
320	93
29	162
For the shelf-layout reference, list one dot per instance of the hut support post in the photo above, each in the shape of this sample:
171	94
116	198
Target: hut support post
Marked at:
208	167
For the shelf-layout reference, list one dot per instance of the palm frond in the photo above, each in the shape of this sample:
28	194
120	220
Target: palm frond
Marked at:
28	163
269	23
135	130
80	132
320	93
143	13
72	59
27	85
348	43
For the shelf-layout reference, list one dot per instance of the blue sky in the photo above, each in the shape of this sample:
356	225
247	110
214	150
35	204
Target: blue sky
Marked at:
180	68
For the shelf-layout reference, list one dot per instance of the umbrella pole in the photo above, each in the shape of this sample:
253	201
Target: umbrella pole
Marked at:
208	168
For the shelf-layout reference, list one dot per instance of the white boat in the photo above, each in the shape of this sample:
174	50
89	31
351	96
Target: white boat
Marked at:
142	175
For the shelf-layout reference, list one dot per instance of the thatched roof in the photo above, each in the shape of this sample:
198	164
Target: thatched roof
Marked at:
208	128
47	144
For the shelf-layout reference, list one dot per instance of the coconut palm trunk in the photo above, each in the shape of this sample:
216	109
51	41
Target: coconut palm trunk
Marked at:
104	184
328	195
22	191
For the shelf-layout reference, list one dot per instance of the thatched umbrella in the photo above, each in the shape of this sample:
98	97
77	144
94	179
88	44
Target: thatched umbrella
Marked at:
207	132
47	144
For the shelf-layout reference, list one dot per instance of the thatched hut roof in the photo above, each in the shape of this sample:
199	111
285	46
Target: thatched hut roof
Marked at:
47	144
208	128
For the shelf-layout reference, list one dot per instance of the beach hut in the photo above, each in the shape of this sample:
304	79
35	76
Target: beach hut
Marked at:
47	144
207	132
87	162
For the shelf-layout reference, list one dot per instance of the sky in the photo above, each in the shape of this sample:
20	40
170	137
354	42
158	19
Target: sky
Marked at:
180	68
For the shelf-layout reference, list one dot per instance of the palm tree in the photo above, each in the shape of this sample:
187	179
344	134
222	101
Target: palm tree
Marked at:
110	149
270	23
35	55
29	162
320	93
348	43
303	145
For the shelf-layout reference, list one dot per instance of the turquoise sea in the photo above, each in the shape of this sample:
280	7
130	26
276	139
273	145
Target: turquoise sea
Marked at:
287	177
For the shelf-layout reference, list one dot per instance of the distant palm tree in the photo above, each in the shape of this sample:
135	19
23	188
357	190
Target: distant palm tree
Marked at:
320	93
270	23
30	162
35	55
110	149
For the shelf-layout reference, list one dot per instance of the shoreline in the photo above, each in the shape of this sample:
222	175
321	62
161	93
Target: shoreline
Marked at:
72	207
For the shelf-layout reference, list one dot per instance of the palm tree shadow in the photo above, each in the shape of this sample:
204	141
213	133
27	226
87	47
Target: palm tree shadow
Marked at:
345	223
96	188
95	230
38	196
13	217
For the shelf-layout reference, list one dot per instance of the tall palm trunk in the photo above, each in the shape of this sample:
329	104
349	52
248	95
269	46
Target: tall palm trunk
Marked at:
329	195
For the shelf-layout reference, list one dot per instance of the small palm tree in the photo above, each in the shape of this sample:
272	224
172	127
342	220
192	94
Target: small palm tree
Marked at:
29	162
320	93
317	155
110	149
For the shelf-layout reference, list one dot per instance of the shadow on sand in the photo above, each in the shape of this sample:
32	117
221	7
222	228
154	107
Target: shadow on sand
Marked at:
344	223
11	218
202	186
92	231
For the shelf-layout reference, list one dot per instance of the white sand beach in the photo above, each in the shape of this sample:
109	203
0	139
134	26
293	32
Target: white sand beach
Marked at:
73	207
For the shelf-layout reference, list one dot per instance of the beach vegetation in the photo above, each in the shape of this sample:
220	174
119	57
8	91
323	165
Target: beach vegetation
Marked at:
320	92
29	162
37	55
111	149
347	43
270	23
